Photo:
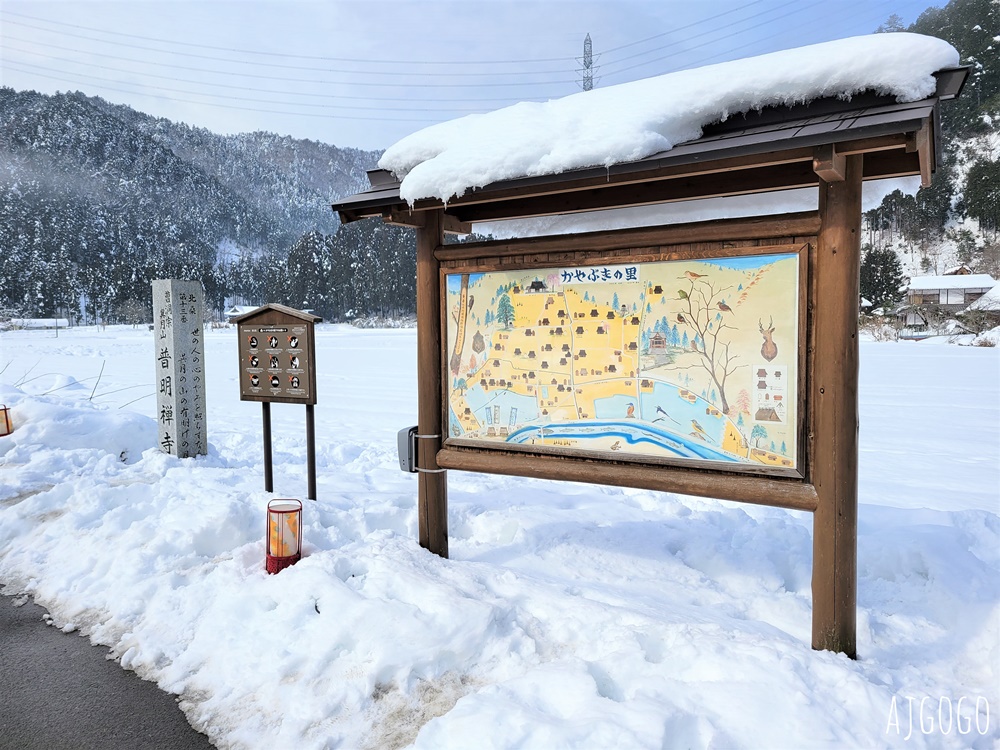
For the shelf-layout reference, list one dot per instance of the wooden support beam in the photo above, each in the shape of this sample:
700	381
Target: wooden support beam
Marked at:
432	481
794	494
398	218
452	225
833	399
926	154
804	224
539	187
828	164
415	220
920	144
714	185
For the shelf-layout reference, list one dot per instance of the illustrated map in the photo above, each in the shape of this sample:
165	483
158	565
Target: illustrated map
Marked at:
692	359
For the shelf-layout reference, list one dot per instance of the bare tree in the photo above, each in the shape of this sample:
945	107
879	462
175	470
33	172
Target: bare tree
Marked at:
706	316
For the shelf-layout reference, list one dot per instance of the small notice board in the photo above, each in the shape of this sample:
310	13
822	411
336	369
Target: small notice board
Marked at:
277	351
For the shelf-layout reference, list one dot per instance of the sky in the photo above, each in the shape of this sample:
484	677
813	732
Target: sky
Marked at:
365	74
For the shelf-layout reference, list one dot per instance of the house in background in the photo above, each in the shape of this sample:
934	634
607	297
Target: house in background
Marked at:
987	307
234	311
949	294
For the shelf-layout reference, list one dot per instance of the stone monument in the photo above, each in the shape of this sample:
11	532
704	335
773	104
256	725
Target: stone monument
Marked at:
178	312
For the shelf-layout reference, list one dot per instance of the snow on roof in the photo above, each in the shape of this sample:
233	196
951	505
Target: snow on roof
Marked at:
989	301
633	120
969	281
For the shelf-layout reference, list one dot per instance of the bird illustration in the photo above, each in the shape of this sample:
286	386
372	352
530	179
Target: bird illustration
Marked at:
698	427
692	275
659	410
724	307
681	294
630	412
681	318
694	346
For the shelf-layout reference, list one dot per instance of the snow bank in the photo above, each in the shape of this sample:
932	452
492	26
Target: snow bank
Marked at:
569	615
631	121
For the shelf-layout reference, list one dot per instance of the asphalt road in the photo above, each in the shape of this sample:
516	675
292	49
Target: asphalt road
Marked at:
57	692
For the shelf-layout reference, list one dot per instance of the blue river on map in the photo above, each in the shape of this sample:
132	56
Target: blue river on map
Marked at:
630	432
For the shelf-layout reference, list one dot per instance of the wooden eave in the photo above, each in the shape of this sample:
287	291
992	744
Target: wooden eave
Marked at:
778	148
290	311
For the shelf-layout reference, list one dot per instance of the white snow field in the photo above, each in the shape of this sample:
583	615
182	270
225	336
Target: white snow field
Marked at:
569	616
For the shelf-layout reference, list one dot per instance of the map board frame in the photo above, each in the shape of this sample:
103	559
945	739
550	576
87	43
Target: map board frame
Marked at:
291	354
499	389
761	484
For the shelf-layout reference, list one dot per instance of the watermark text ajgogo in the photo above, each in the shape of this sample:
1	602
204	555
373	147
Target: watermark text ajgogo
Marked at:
909	715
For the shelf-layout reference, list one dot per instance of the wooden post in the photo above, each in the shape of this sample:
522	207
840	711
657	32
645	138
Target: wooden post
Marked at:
432	481
834	419
265	413
311	451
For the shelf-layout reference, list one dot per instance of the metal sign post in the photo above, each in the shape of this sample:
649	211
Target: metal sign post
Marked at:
277	351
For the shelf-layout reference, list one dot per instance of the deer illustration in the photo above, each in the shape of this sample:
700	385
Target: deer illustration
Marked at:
768	350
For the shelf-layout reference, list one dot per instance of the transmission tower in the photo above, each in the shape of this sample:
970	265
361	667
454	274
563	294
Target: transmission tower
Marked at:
588	64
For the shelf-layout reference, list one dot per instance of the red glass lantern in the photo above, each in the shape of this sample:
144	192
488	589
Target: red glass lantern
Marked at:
6	426
284	534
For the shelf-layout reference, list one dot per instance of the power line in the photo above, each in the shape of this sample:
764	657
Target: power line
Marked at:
679	28
691	64
799	8
264	53
300	80
231	87
244	109
261	101
325	69
758	40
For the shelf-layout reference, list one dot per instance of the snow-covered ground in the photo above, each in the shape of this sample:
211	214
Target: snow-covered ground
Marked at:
570	616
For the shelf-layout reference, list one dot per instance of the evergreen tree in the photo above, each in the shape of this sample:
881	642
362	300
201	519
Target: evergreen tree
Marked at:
505	312
881	276
982	195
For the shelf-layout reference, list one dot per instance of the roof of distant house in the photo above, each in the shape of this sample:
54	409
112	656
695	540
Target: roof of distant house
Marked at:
962	270
988	302
969	281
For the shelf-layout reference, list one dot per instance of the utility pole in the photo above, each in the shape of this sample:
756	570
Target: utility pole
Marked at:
588	64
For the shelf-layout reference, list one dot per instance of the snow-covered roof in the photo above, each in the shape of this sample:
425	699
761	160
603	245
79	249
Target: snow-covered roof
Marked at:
969	281
633	120
989	301
961	270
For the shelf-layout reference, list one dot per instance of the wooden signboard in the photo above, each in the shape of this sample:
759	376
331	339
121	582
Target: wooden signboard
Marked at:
277	350
689	361
673	363
277	355
669	416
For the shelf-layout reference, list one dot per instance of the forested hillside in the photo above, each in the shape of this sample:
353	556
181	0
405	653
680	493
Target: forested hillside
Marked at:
98	199
957	219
